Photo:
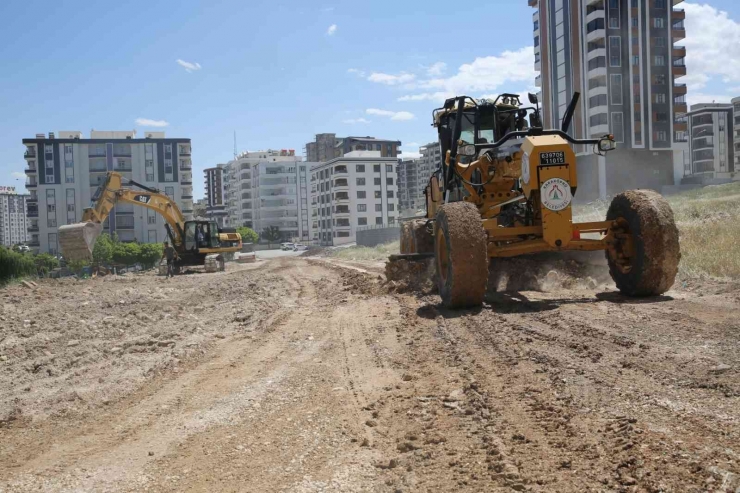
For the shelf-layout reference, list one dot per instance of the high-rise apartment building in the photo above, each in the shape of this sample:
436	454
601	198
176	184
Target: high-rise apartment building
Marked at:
269	189
413	177
736	130
328	146
14	224
711	144
65	171
622	57
354	191
216	195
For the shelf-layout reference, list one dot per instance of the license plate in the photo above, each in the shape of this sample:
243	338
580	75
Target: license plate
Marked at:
552	157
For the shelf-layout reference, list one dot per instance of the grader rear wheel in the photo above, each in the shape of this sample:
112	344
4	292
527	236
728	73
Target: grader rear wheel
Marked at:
461	255
644	259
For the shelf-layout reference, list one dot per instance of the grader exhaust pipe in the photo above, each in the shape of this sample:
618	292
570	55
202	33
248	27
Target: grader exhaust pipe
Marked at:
78	240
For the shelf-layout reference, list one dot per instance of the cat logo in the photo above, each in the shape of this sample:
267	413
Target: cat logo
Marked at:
144	199
555	194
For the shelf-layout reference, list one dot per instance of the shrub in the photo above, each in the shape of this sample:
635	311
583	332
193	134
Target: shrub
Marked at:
248	235
14	265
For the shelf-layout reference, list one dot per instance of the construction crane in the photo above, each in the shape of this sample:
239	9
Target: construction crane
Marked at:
195	242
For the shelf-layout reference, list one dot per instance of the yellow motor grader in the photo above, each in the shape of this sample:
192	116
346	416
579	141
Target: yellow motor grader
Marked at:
505	189
196	242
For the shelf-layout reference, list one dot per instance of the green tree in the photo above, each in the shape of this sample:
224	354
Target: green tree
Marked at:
248	235
150	254
271	234
45	263
76	266
14	265
103	249
126	253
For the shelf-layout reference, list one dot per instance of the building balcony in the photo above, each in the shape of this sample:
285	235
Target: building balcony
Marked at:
596	14
186	166
679	51
187	211
33	229
340	170
32	213
680	108
32	200
532	3
30	171
599	130
34	243
678	33
679	89
676	2
184	150
187	197
341	211
538	81
31	185
597	72
29	154
678	14
679	71
340	183
598	52
96	153
596	34
342	227
186	182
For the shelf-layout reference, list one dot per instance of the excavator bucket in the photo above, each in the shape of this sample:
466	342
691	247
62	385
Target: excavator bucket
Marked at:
77	240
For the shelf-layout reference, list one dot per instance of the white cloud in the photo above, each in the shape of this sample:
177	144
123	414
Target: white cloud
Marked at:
393	115
710	38
356	120
390	79
189	66
146	122
436	69
18	174
482	74
332	29
357	72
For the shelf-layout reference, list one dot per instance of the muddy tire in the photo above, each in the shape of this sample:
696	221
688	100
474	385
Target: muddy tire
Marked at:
461	256
416	237
652	268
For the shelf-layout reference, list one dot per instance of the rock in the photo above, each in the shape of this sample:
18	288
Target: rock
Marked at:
73	343
365	443
591	283
220	336
27	284
116	350
720	368
371	423
3	358
454	396
517	487
406	447
393	463
151	453
628	480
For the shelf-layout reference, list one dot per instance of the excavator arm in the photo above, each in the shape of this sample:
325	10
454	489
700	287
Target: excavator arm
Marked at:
77	240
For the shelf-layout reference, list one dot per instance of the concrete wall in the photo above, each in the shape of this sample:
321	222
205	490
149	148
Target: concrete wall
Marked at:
626	169
378	236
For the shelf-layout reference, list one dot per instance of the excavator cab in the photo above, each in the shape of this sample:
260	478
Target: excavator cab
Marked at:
201	235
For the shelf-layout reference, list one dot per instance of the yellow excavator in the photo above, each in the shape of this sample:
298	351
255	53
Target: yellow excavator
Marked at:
196	242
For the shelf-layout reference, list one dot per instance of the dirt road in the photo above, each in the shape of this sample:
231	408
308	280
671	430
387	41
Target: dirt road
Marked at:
297	375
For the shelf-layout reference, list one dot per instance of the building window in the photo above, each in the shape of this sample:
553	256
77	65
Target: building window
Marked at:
360	168
615	51
390	194
150	177
170	192
536	41
661	117
660	98
660	136
659	4
376	181
635	22
635	60
361	194
389	168
658	22
378	194
660	80
71	212
53	243
361	208
618	126
362	221
600	119
376	168
659	42
391	207
378	207
614	14
360	182
378	220
152	236
616	88
659	61
389	181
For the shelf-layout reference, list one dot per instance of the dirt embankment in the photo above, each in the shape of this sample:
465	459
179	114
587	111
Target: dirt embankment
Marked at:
313	377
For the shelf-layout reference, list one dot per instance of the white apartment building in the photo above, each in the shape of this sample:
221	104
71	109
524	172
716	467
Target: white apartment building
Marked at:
14	223
711	142
65	170
269	189
413	177
358	190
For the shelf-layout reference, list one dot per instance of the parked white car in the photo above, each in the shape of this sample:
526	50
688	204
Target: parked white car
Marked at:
287	246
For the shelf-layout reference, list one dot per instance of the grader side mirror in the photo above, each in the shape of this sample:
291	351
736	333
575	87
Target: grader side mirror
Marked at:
533	98
607	144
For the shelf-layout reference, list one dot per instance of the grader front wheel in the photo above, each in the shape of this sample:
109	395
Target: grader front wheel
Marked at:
460	255
643	260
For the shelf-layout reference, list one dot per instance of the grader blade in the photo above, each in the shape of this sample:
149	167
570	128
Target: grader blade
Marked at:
77	240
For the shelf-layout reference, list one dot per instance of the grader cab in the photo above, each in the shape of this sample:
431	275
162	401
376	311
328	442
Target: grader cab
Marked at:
505	189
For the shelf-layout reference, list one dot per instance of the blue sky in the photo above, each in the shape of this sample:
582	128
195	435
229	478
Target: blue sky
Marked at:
277	72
